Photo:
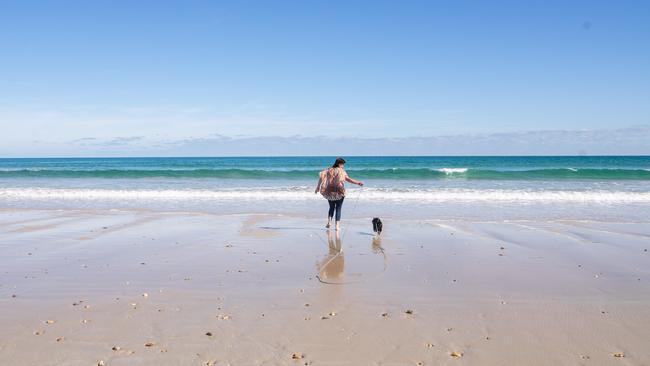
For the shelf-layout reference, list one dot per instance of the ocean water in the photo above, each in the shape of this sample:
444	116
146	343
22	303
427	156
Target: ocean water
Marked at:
591	188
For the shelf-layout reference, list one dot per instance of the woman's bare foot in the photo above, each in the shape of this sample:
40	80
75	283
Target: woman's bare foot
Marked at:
327	226
338	226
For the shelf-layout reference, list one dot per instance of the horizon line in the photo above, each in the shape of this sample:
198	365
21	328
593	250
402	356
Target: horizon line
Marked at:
321	156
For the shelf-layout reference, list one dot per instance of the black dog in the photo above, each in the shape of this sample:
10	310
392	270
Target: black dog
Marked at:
377	225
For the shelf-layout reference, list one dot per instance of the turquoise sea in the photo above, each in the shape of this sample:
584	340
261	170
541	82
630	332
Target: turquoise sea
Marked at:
593	187
416	168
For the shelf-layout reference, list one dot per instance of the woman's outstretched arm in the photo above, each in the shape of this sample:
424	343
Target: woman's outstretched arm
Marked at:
353	181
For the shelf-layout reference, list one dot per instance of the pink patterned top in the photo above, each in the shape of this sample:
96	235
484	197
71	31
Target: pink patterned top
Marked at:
332	180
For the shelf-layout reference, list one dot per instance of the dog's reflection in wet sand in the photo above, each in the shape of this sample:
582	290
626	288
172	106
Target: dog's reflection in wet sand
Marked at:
376	245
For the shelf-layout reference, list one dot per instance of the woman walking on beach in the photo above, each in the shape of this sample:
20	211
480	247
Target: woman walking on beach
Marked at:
331	186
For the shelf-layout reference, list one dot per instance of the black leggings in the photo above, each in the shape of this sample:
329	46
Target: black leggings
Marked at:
335	205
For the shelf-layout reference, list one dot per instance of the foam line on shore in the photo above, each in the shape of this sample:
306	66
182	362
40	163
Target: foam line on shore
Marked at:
305	194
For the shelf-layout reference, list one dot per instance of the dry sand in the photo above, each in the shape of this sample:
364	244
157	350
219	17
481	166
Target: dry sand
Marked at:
146	288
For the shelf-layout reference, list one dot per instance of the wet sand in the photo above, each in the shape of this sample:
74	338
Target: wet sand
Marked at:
148	288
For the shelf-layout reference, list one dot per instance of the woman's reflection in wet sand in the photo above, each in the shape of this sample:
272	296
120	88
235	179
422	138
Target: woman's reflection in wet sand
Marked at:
332	266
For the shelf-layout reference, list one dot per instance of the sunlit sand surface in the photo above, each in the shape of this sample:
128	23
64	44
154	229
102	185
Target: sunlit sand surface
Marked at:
149	288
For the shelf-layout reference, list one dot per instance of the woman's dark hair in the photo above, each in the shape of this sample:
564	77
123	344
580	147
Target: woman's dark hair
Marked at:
338	162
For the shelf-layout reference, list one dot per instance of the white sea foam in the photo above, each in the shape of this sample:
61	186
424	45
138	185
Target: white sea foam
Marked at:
306	194
450	171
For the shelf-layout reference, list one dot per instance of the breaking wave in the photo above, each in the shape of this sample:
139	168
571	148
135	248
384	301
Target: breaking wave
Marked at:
306	194
395	173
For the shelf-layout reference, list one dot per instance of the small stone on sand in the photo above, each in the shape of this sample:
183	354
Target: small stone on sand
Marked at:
39	332
145	295
456	354
100	363
297	356
50	321
209	334
409	312
619	354
116	348
60	339
384	315
149	344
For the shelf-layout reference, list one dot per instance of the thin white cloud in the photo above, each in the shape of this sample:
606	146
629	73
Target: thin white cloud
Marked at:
630	141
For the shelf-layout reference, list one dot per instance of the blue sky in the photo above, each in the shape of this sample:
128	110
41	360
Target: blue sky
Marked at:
161	72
